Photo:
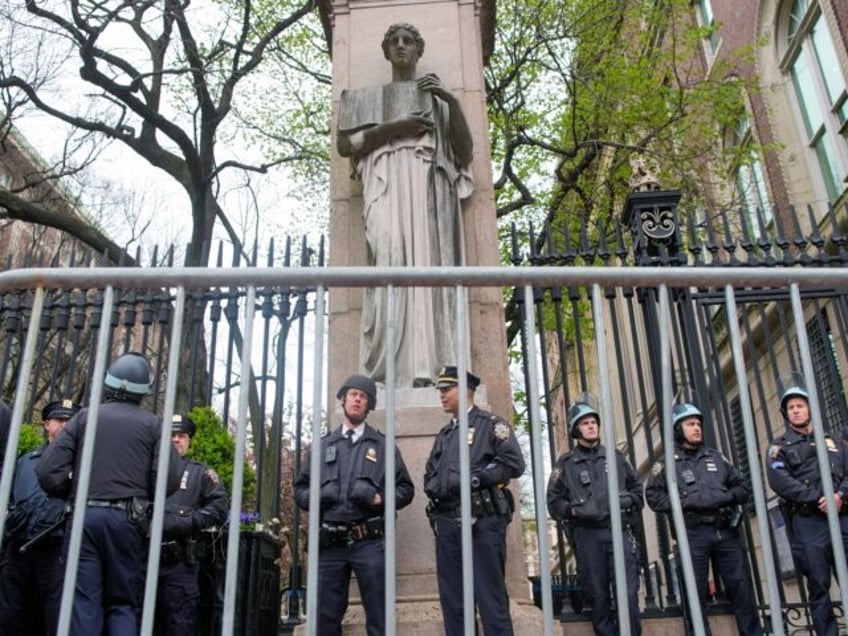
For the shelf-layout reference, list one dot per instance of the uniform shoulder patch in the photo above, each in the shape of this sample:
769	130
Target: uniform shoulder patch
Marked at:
773	450
324	430
212	476
555	473
657	469
502	430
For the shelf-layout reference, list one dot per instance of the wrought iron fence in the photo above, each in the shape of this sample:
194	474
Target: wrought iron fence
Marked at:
677	324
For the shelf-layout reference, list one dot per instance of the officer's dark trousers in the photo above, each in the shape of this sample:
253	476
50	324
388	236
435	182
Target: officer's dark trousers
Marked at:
108	580
706	541
596	567
488	536
366	559
813	554
31	589
176	600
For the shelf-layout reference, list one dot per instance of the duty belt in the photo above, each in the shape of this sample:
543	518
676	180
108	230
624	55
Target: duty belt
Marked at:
591	523
343	533
698	518
119	504
807	509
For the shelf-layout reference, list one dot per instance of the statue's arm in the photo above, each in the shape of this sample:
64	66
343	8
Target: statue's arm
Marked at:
364	141
459	133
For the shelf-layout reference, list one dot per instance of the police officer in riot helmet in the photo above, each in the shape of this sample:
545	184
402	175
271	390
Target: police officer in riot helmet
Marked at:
353	487
32	574
578	497
793	473
123	481
198	504
711	492
494	459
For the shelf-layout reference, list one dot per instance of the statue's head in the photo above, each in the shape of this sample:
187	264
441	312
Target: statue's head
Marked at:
405	26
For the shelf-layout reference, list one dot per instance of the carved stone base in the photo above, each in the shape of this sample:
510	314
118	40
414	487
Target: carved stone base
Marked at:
422	616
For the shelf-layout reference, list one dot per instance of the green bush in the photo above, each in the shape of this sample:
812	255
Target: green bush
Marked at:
215	446
32	436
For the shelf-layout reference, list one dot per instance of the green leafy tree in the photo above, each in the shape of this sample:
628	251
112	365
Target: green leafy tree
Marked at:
215	446
578	91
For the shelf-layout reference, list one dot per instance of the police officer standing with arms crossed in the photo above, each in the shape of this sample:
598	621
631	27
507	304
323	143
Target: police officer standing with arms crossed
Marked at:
711	491
495	458
793	473
123	480
353	485
199	503
32	574
578	497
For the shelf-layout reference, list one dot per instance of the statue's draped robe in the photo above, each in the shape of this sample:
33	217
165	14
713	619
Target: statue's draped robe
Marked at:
411	189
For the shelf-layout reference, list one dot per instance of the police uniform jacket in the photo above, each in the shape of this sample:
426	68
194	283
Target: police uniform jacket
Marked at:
495	456
578	489
5	425
706	481
200	502
125	458
792	467
351	475
31	510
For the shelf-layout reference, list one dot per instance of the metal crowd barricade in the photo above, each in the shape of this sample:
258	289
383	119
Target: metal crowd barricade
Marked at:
596	279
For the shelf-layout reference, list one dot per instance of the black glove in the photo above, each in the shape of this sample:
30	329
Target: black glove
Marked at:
482	479
362	493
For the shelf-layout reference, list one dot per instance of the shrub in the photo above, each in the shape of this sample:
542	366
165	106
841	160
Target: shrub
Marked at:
215	446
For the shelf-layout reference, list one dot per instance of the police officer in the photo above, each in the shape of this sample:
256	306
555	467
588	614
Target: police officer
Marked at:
31	581
495	458
199	503
578	497
793	473
711	491
353	485
123	480
5	425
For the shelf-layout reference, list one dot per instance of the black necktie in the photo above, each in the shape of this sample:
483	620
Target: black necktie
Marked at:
349	434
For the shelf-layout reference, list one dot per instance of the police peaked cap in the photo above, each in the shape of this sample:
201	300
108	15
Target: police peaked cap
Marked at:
183	424
59	410
449	376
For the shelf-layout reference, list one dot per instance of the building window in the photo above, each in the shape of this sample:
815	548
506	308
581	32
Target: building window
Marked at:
832	402
820	90
750	190
706	20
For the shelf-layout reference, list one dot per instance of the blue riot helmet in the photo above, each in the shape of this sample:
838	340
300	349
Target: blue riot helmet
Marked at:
362	383
680	412
128	378
582	407
793	392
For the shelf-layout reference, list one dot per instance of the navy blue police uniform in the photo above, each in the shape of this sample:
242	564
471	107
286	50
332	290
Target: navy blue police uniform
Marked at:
32	573
578	497
494	458
199	503
711	491
5	425
351	534
123	480
793	473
